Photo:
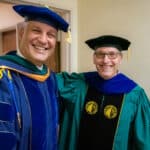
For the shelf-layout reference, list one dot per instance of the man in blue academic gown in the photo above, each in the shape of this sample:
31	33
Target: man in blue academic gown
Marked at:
103	110
28	91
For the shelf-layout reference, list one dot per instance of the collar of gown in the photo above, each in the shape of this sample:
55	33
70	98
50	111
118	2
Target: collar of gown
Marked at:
16	63
118	84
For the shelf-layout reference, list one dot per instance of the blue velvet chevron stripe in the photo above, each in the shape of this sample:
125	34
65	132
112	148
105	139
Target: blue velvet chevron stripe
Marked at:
118	84
4	143
6	112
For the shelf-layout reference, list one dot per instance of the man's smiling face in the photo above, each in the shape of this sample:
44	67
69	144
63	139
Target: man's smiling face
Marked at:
37	42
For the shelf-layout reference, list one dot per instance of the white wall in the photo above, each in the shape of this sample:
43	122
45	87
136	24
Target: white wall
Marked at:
5	11
125	18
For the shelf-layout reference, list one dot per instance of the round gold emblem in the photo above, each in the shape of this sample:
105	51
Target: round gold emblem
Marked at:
110	111
91	107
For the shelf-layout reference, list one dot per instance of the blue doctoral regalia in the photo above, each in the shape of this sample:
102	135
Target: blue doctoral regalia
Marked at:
28	106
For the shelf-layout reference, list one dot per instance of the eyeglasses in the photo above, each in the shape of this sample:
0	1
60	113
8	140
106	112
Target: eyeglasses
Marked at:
110	55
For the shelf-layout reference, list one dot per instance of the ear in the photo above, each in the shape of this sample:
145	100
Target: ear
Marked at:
19	33
20	29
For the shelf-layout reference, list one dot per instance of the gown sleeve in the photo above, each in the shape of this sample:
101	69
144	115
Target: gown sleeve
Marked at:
142	123
70	85
7	116
72	90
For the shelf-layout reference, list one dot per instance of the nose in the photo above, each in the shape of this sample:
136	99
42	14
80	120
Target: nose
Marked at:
43	38
106	58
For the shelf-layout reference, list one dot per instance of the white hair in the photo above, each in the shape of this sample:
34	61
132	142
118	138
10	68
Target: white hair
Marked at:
19	27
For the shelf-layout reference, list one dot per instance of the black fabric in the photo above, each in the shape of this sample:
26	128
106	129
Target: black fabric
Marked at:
108	40
96	130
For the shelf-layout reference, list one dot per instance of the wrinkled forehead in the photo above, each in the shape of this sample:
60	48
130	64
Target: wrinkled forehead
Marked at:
107	49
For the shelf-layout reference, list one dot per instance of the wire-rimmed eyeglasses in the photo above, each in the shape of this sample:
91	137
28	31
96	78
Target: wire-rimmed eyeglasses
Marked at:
110	55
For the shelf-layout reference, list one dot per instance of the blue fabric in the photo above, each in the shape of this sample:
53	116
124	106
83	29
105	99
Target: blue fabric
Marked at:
37	104
42	101
7	141
42	14
53	89
6	112
118	84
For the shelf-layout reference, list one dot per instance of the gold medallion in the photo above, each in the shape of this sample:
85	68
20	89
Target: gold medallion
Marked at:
91	107
110	111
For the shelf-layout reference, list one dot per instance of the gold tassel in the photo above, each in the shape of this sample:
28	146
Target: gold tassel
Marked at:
68	36
128	54
46	6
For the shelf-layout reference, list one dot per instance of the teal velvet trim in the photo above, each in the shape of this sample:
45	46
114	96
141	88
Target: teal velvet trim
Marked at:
23	62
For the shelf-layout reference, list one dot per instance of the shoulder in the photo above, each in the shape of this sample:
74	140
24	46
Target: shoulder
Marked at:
69	76
70	80
138	95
